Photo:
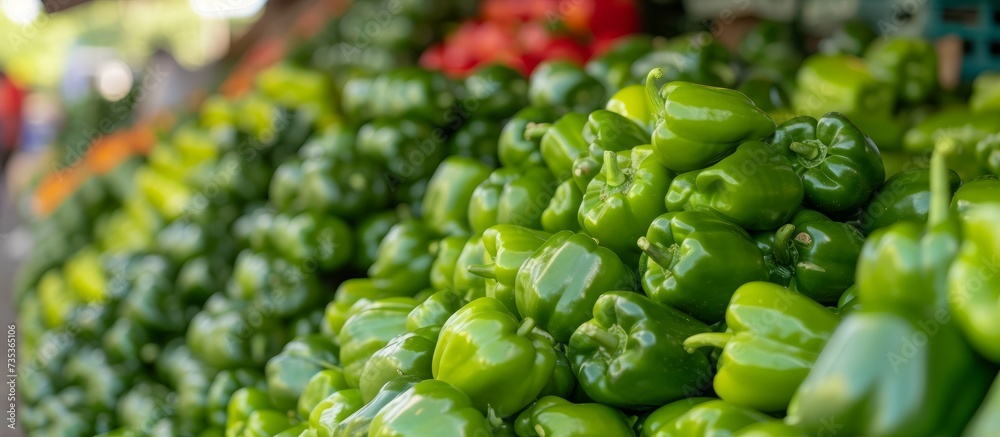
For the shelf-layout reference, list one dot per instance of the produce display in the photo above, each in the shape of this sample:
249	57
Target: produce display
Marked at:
662	239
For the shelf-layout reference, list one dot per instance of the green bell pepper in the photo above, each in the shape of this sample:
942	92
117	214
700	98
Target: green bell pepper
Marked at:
764	198
910	65
903	197
774	335
771	92
304	238
266	423
508	247
446	252
841	83
430	408
698	125
564	87
401	93
446	203
345	187
270	282
813	255
358	424
562	211
407	148
511	196
618	355
407	354
404	257
840	167
320	386
289	371
560	282
469	285
700	416
352	296
518	147
501	364
771	45
973	279
434	310
368	234
370	330
225	384
228	335
624	199
631	102
561	142
243	403
961	127
608	131
334	409
983	190
551	415
683	266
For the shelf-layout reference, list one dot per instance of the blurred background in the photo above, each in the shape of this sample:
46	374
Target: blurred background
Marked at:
108	106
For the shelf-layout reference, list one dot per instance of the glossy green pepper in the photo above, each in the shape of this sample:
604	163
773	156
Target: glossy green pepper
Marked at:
511	196
562	211
434	310
840	167
841	83
561	142
446	203
430	408
700	416
973	279
289	371
608	131
908	64
618	355
764	198
500	363
927	380
963	129
404	257
772	45
359	423
683	263
469	285
477	140
770	91
613	68
698	125
774	335
560	282
225	384
222	336
983	190
370	330
334	409
518	149
266	423
446	252
623	200
270	282
320	386
352	296
495	91
552	415
508	247
407	148
407	354
813	255
243	403
564	87
631	102
903	197
407	92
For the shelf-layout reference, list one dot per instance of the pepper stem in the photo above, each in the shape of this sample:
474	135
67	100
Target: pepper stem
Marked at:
652	93
535	131
527	325
607	340
716	340
940	187
612	172
806	150
782	238
483	271
655	252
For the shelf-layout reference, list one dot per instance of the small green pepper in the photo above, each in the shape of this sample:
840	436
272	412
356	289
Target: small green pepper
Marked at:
563	210
700	416
289	371
511	196
552	415
320	386
519	147
632	103
495	91
334	409
618	355
903	197
564	87
407	354
358	424
841	83
434	310
561	143
404	257
608	131
508	247
908	64
560	282
446	252
430	408
370	330
446	203
973	282
477	140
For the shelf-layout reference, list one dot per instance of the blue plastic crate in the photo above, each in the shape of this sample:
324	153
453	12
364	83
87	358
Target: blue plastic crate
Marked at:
977	23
